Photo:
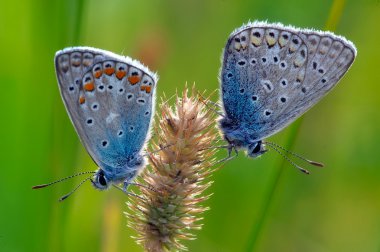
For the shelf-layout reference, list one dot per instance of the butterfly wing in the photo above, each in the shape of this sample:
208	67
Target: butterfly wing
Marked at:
272	74
110	101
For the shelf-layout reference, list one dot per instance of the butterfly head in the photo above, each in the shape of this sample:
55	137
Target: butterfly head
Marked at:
256	149
100	180
103	178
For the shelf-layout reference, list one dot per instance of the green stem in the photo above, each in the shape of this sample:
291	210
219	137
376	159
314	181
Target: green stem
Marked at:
79	6
331	23
256	229
58	130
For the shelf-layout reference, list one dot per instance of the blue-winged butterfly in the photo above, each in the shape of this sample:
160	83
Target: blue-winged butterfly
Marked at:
110	100
271	74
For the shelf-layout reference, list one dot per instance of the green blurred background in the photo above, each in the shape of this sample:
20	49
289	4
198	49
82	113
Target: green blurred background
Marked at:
257	205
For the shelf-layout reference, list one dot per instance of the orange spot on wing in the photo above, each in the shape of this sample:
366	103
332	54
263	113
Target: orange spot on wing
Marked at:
120	74
147	89
109	71
82	100
133	79
89	86
98	74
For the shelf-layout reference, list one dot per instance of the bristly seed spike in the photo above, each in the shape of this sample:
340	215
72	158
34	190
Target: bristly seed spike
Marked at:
172	186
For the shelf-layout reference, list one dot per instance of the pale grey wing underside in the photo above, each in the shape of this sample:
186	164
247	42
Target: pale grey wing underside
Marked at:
110	101
272	74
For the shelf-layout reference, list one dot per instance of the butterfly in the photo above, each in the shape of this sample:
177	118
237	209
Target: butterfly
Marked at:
271	74
110	100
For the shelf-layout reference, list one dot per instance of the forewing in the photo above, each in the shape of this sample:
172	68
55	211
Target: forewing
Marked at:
272	74
110	101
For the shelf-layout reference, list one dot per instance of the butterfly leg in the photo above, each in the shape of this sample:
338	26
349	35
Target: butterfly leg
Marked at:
125	185
128	193
230	156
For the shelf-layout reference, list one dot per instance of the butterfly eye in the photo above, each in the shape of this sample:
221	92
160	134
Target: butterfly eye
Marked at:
102	180
257	148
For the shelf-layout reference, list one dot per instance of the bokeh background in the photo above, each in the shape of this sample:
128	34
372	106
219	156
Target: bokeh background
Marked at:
257	205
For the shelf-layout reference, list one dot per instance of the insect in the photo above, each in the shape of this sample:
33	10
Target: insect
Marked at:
271	74
110	100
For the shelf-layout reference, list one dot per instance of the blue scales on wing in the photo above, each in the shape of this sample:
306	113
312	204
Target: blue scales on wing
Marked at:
110	100
271	74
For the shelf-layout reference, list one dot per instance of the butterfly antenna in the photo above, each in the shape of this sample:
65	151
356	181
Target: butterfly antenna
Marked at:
67	195
60	180
290	161
296	155
129	193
